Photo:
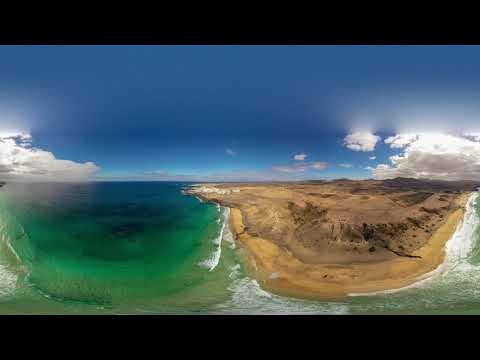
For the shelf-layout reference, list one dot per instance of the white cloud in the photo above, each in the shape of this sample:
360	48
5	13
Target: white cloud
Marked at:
230	152
382	171
345	165
300	157
433	156
372	157
19	161
400	141
475	136
22	137
300	167
361	141
15	134
318	165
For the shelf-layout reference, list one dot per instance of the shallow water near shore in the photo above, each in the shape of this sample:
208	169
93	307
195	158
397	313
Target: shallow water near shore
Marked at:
131	247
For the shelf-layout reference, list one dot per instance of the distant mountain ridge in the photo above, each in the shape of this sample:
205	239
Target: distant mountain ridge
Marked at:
419	184
407	183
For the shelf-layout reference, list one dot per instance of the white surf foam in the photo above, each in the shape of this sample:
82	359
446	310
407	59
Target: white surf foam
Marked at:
457	249
235	271
8	281
227	234
249	297
213	261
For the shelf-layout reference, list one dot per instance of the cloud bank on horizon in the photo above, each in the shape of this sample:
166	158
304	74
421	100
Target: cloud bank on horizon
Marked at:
432	155
20	161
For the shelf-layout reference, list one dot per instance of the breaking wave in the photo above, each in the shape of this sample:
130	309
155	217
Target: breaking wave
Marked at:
10	261
248	297
224	233
8	281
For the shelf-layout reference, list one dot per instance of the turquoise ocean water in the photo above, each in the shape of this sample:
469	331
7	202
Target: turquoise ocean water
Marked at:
145	248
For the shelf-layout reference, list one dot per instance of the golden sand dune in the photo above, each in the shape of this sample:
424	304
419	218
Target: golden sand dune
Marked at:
329	239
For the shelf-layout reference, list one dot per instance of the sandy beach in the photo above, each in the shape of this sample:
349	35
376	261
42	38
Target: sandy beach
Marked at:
328	240
279	272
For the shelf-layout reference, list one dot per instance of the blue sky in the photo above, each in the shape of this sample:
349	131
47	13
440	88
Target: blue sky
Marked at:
148	112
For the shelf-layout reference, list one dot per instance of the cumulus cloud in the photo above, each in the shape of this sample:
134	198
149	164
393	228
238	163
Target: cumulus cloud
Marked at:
230	152
345	165
372	157
300	167
433	156
18	161
300	157
361	141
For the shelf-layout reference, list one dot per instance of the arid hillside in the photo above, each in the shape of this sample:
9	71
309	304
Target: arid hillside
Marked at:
342	221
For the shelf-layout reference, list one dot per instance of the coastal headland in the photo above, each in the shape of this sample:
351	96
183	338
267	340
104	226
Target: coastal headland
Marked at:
327	239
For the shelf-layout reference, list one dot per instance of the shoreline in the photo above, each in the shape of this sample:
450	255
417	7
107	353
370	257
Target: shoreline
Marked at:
279	272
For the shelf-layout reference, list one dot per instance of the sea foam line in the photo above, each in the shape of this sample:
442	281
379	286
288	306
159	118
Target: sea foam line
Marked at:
249	297
212	262
8	278
8	281
457	248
